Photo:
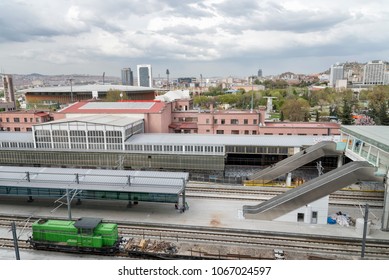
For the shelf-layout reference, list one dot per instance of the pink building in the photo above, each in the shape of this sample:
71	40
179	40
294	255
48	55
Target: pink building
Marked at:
22	120
300	128
156	114
179	117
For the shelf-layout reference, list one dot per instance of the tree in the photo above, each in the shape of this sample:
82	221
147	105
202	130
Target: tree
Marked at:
317	116
346	115
383	114
295	109
282	118
378	104
202	101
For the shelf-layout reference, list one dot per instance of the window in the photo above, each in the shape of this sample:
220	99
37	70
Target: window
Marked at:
207	121
255	121
215	121
219	131
168	148
300	217
25	119
246	132
246	121
234	121
7	119
1	120
29	129
207	131
189	148
223	121
234	131
254	132
17	128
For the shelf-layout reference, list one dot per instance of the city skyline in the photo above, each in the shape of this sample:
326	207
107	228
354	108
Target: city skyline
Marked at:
191	38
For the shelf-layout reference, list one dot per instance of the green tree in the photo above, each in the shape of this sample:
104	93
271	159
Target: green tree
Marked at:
346	116
383	114
202	101
296	109
378	100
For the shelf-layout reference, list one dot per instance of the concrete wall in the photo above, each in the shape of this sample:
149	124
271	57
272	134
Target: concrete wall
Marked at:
320	206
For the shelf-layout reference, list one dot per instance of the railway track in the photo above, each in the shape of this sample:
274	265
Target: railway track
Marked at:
325	246
263	194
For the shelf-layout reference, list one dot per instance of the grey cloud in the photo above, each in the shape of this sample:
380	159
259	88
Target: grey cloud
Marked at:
22	22
251	15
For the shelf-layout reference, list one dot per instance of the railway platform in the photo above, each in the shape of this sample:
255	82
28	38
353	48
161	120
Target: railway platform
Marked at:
202	212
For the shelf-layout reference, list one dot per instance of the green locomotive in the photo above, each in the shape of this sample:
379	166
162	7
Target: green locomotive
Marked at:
86	235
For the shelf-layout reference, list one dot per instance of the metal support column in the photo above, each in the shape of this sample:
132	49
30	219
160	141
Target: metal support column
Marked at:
69	204
183	194
340	160
385	212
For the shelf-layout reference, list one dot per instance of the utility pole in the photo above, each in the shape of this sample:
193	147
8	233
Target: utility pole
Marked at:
15	238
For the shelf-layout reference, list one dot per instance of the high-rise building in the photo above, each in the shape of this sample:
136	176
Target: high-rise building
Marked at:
145	77
374	72
127	77
336	73
9	92
260	73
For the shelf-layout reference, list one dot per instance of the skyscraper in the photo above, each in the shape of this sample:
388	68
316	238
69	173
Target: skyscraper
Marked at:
374	73
145	77
337	73
260	73
127	77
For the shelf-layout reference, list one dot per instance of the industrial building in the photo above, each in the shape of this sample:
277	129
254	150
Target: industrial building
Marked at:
74	93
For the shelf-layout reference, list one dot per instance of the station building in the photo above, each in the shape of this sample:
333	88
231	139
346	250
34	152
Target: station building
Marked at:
70	94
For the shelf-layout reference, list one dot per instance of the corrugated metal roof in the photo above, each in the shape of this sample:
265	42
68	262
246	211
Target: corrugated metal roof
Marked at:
249	140
106	119
94	179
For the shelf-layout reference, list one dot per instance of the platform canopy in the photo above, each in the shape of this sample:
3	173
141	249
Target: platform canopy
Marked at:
94	179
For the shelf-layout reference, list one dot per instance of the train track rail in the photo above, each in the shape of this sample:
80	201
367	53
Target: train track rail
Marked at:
330	247
263	194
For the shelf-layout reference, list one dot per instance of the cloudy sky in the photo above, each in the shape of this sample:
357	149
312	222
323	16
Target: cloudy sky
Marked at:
190	37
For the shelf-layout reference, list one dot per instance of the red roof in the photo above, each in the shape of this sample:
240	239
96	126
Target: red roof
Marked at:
81	108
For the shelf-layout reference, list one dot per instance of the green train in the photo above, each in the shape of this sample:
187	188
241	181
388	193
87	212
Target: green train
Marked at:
86	235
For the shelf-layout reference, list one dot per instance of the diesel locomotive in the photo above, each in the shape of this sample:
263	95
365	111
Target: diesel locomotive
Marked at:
86	235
